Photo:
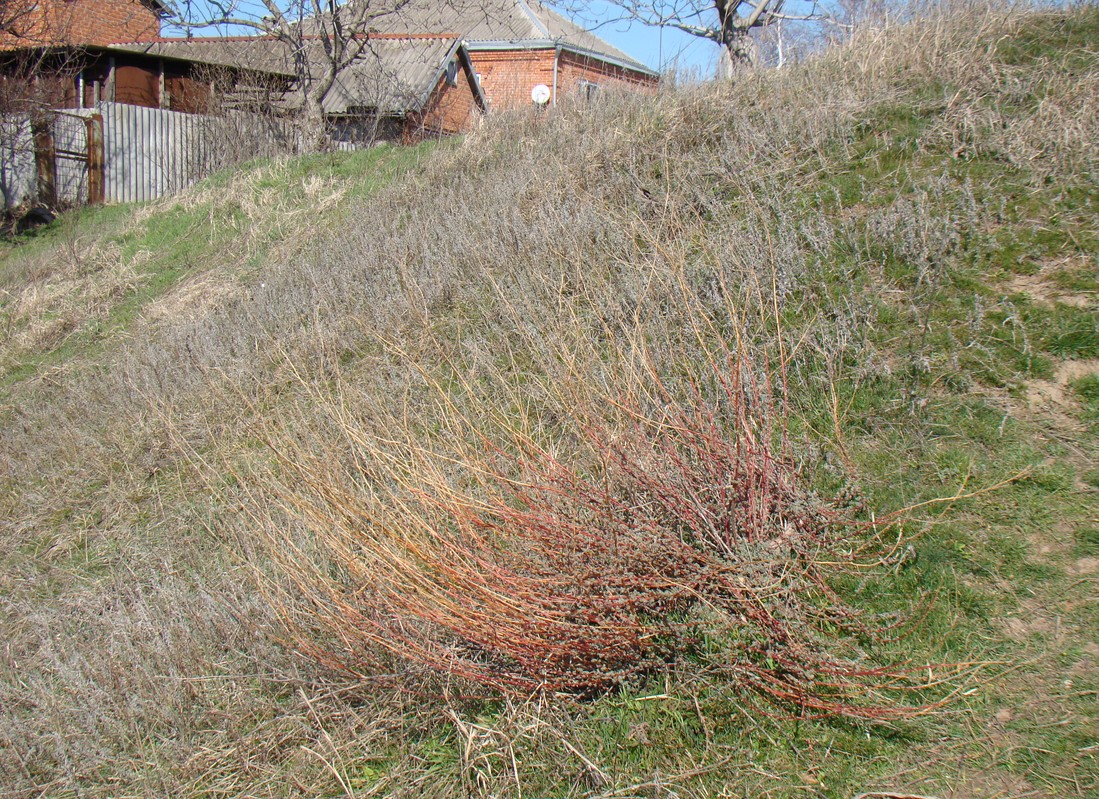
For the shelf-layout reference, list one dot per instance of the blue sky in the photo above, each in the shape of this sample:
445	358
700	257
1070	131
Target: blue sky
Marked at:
668	48
662	48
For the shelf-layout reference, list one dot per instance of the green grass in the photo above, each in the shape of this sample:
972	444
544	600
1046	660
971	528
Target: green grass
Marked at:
1064	40
91	220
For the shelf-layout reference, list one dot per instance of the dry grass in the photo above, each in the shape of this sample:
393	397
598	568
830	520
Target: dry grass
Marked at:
412	361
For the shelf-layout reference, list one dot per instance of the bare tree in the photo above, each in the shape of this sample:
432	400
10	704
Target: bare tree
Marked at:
320	40
727	23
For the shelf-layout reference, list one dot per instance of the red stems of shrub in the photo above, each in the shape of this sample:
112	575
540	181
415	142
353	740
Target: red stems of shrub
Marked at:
687	540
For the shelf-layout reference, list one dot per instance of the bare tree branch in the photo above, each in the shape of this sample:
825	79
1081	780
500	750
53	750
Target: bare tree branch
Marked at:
322	39
726	22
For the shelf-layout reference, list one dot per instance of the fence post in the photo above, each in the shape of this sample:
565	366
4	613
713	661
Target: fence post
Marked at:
45	159
94	125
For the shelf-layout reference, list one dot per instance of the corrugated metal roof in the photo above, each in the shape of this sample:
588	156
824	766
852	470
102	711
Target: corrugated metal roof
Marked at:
393	76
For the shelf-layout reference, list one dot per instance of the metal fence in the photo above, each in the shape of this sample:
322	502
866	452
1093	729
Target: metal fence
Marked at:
51	159
148	153
142	154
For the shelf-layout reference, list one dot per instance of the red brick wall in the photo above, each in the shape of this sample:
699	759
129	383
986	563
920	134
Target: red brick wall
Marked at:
22	24
572	69
45	22
451	109
105	21
507	76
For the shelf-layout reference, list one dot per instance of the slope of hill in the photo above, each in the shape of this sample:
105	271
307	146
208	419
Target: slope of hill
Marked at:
892	248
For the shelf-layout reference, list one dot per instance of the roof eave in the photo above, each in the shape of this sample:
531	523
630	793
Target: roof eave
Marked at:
632	66
145	48
511	44
550	44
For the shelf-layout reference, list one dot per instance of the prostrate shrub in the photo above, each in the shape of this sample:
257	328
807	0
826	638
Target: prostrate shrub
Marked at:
661	528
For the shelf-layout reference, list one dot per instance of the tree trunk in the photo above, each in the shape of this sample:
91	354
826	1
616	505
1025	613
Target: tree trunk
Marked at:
739	49
314	135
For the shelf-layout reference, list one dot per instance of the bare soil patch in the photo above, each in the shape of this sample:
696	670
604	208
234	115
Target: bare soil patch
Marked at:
1041	286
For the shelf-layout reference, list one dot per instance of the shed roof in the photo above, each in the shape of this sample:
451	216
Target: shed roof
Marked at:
395	74
255	53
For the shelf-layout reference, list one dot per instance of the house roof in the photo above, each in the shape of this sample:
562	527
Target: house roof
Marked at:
395	73
494	23
398	75
254	53
483	24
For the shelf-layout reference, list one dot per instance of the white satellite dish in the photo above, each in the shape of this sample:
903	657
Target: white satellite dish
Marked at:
540	94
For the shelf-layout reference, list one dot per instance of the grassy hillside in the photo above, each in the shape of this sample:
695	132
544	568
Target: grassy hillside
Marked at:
236	419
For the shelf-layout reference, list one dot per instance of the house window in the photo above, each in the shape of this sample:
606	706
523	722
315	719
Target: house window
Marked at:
452	73
589	90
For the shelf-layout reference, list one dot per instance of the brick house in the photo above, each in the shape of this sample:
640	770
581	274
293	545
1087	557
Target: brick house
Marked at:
516	45
75	53
405	86
46	44
62	54
411	82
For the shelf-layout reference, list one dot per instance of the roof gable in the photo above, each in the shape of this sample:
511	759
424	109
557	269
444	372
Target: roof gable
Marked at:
394	75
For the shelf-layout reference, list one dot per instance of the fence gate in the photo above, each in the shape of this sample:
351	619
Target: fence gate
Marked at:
68	154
